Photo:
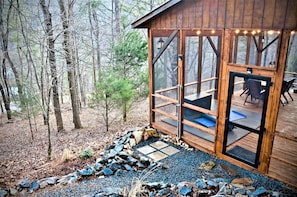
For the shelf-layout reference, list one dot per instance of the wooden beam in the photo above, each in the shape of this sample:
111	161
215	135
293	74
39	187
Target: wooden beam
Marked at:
213	46
200	109
199	73
256	43
165	114
259	49
163	105
218	66
235	48
269	44
248	50
200	127
165	98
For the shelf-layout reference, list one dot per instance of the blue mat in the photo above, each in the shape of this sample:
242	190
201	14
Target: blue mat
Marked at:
210	121
234	115
205	122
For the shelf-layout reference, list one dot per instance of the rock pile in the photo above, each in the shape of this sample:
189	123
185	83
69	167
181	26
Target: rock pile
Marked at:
117	158
218	187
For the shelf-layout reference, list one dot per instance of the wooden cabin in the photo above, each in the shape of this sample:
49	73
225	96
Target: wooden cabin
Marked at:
218	77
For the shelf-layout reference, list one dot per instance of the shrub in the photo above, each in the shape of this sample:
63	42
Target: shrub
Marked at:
86	154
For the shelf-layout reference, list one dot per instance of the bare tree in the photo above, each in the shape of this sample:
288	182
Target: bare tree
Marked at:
5	92
69	55
117	10
52	60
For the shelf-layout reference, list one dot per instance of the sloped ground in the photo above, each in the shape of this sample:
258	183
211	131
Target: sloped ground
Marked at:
23	157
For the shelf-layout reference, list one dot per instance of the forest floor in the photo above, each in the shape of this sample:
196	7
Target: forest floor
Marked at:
21	156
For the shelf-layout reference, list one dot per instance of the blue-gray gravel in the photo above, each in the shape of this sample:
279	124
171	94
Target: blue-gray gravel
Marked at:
183	166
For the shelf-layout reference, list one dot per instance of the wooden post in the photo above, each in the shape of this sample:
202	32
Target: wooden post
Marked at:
151	76
259	49
273	105
218	66
223	92
199	74
234	60
248	49
181	82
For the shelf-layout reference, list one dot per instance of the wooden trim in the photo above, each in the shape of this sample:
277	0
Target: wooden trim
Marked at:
277	133
236	162
213	46
163	130
165	114
181	82
248	50
199	74
188	84
259	49
283	160
211	90
143	20
197	126
163	105
270	43
165	98
151	77
218	66
166	89
193	141
234	46
199	109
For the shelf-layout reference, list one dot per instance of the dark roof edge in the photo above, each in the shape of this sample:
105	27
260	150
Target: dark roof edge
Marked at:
139	23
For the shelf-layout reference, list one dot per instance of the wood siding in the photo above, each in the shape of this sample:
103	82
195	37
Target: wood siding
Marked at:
216	14
283	162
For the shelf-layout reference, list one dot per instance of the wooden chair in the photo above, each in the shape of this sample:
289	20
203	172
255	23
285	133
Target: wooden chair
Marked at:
255	90
286	86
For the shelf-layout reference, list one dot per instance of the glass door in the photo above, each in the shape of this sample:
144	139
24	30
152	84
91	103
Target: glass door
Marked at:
245	117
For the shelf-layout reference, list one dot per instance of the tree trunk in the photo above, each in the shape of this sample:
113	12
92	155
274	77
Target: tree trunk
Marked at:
67	44
53	67
117	9
4	45
6	102
97	39
46	111
90	11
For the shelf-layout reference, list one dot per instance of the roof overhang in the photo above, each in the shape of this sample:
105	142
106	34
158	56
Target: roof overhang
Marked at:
143	21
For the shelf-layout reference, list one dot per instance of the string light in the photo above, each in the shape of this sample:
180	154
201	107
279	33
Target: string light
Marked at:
237	31
198	32
245	32
213	31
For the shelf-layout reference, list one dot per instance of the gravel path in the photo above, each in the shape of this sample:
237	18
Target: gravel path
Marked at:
183	166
